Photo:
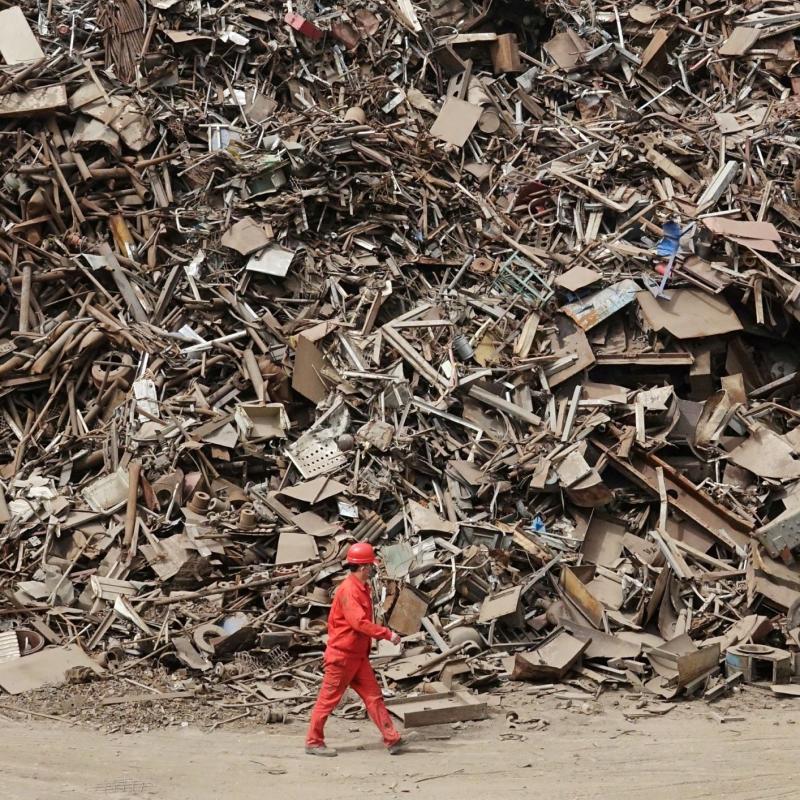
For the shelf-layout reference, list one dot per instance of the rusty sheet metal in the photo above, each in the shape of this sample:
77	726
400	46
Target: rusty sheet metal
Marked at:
592	310
722	524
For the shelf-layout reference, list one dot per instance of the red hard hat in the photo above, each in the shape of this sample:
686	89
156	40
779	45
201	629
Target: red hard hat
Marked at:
361	553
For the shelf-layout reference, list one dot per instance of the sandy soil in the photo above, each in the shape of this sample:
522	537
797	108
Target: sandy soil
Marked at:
589	751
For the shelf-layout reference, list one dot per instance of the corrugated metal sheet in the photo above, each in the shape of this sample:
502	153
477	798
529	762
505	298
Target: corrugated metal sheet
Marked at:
9	646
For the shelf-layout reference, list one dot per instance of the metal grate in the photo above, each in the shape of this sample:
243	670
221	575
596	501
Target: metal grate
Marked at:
317	458
9	646
277	658
129	787
246	662
518	277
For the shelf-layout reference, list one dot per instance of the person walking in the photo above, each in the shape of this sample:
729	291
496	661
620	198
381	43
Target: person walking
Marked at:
351	629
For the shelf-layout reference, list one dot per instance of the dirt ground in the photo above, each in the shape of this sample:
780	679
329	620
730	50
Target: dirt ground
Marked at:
584	751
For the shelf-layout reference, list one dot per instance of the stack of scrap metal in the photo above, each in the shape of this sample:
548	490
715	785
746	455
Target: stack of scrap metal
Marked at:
508	291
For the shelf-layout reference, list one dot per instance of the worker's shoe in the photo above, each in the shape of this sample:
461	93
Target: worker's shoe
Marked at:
397	748
321	750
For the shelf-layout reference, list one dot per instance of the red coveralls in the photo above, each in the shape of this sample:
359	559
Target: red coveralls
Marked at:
350	629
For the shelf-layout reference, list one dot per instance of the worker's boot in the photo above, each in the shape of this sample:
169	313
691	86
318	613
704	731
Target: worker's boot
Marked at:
321	750
397	748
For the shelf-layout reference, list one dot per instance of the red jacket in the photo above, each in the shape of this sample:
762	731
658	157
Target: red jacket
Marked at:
350	625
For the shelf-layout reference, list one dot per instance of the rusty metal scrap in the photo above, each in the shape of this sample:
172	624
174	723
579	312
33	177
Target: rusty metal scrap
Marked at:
511	298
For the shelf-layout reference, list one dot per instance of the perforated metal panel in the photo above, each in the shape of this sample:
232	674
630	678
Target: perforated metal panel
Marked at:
318	458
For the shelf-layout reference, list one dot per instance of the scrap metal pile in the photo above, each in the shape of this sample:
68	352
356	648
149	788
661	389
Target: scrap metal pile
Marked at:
508	290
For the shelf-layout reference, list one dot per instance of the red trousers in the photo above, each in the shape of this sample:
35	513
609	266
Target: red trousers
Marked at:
339	674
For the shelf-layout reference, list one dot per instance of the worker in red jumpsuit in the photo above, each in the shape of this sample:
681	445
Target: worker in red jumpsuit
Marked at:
350	632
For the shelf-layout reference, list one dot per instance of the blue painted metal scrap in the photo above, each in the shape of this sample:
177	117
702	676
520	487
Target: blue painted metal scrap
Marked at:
592	310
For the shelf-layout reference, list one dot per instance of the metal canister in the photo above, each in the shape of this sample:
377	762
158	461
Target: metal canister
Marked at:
462	347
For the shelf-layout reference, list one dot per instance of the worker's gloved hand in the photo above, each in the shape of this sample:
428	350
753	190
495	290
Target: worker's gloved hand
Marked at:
395	638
